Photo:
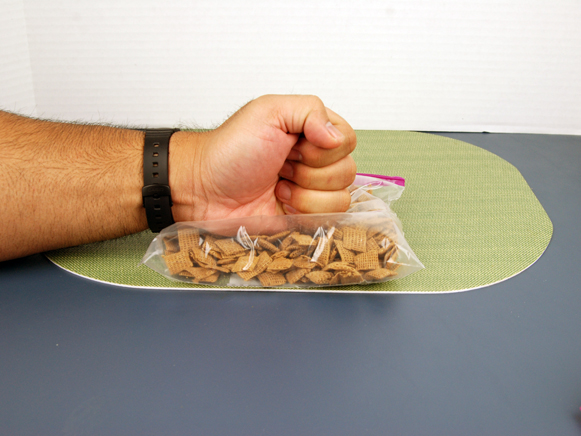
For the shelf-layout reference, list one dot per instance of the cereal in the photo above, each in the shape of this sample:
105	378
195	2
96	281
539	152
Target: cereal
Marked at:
378	274
338	255
323	251
198	273
171	245
209	244
295	275
372	231
333	254
280	264
367	261
278	236
346	255
372	244
278	254
303	240
224	269
229	247
350	278
211	278
320	277
297	253
393	266
188	238
245	263
202	258
287	242
262	263
304	262
268	279
388	247
339	266
177	262
336	280
391	255
355	239
227	260
267	245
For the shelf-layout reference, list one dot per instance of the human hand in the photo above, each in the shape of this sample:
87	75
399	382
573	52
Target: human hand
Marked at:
276	155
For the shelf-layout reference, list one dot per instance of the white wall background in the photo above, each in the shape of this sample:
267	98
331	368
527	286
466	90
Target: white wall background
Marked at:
480	65
16	86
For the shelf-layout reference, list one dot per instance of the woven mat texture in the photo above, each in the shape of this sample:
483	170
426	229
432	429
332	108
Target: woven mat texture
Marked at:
469	216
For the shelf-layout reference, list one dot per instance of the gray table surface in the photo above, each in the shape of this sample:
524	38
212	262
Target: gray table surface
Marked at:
83	358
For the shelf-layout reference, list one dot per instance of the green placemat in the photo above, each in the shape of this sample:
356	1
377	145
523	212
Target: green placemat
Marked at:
469	216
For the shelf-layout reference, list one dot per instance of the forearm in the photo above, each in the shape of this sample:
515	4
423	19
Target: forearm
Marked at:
65	184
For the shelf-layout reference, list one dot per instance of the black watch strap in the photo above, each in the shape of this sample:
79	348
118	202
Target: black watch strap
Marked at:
156	192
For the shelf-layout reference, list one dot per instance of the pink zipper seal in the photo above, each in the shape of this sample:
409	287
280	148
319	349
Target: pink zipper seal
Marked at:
393	179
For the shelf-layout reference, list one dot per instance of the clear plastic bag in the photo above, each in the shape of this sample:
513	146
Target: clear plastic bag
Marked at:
363	245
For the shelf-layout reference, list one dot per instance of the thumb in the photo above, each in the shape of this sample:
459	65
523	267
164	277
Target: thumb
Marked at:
306	114
320	131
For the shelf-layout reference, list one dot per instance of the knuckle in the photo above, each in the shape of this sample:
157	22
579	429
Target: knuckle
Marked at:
351	171
351	140
314	103
305	178
345	200
319	159
314	100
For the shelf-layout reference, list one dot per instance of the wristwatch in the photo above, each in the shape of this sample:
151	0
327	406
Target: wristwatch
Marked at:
156	192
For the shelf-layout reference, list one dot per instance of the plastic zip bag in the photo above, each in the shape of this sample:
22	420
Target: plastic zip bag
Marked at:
366	244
